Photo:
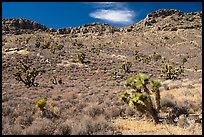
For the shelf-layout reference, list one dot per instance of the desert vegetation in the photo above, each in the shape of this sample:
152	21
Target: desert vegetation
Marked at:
138	80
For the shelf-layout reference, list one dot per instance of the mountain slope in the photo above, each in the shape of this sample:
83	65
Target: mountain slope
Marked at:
83	96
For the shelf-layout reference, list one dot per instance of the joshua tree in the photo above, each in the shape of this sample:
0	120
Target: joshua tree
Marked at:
26	74
140	98
172	73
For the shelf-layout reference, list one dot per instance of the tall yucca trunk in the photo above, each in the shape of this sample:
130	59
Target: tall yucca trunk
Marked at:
157	98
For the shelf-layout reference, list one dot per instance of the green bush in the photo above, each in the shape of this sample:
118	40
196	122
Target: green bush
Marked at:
139	96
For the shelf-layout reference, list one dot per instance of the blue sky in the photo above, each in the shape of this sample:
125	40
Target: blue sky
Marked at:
66	14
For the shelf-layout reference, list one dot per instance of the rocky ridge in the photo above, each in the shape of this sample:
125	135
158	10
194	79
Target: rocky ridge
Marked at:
168	20
160	20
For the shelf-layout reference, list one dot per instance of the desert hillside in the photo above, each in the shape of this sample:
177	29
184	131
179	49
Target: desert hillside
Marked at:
81	73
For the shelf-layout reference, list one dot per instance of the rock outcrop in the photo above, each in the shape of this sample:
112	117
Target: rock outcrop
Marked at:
20	25
96	28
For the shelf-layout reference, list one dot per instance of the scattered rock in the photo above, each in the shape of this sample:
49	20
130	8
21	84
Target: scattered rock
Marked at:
182	121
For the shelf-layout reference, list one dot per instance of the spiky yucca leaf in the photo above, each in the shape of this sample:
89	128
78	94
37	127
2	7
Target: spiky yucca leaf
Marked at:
137	82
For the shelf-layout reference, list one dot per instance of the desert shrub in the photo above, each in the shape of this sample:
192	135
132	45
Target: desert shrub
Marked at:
26	74
46	44
80	56
136	55
24	120
94	110
94	50
168	101
156	56
55	47
11	130
90	126
184	60
64	128
129	111
6	110
126	66
40	126
195	68
37	44
146	59
117	74
172	73
112	112
56	81
77	43
139	97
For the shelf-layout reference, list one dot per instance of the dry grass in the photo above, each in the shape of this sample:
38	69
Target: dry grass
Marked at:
144	127
189	98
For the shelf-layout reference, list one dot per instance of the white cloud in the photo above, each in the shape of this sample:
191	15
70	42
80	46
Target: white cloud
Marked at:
115	16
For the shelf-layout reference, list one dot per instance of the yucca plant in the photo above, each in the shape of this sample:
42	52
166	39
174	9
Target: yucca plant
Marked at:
139	97
40	104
